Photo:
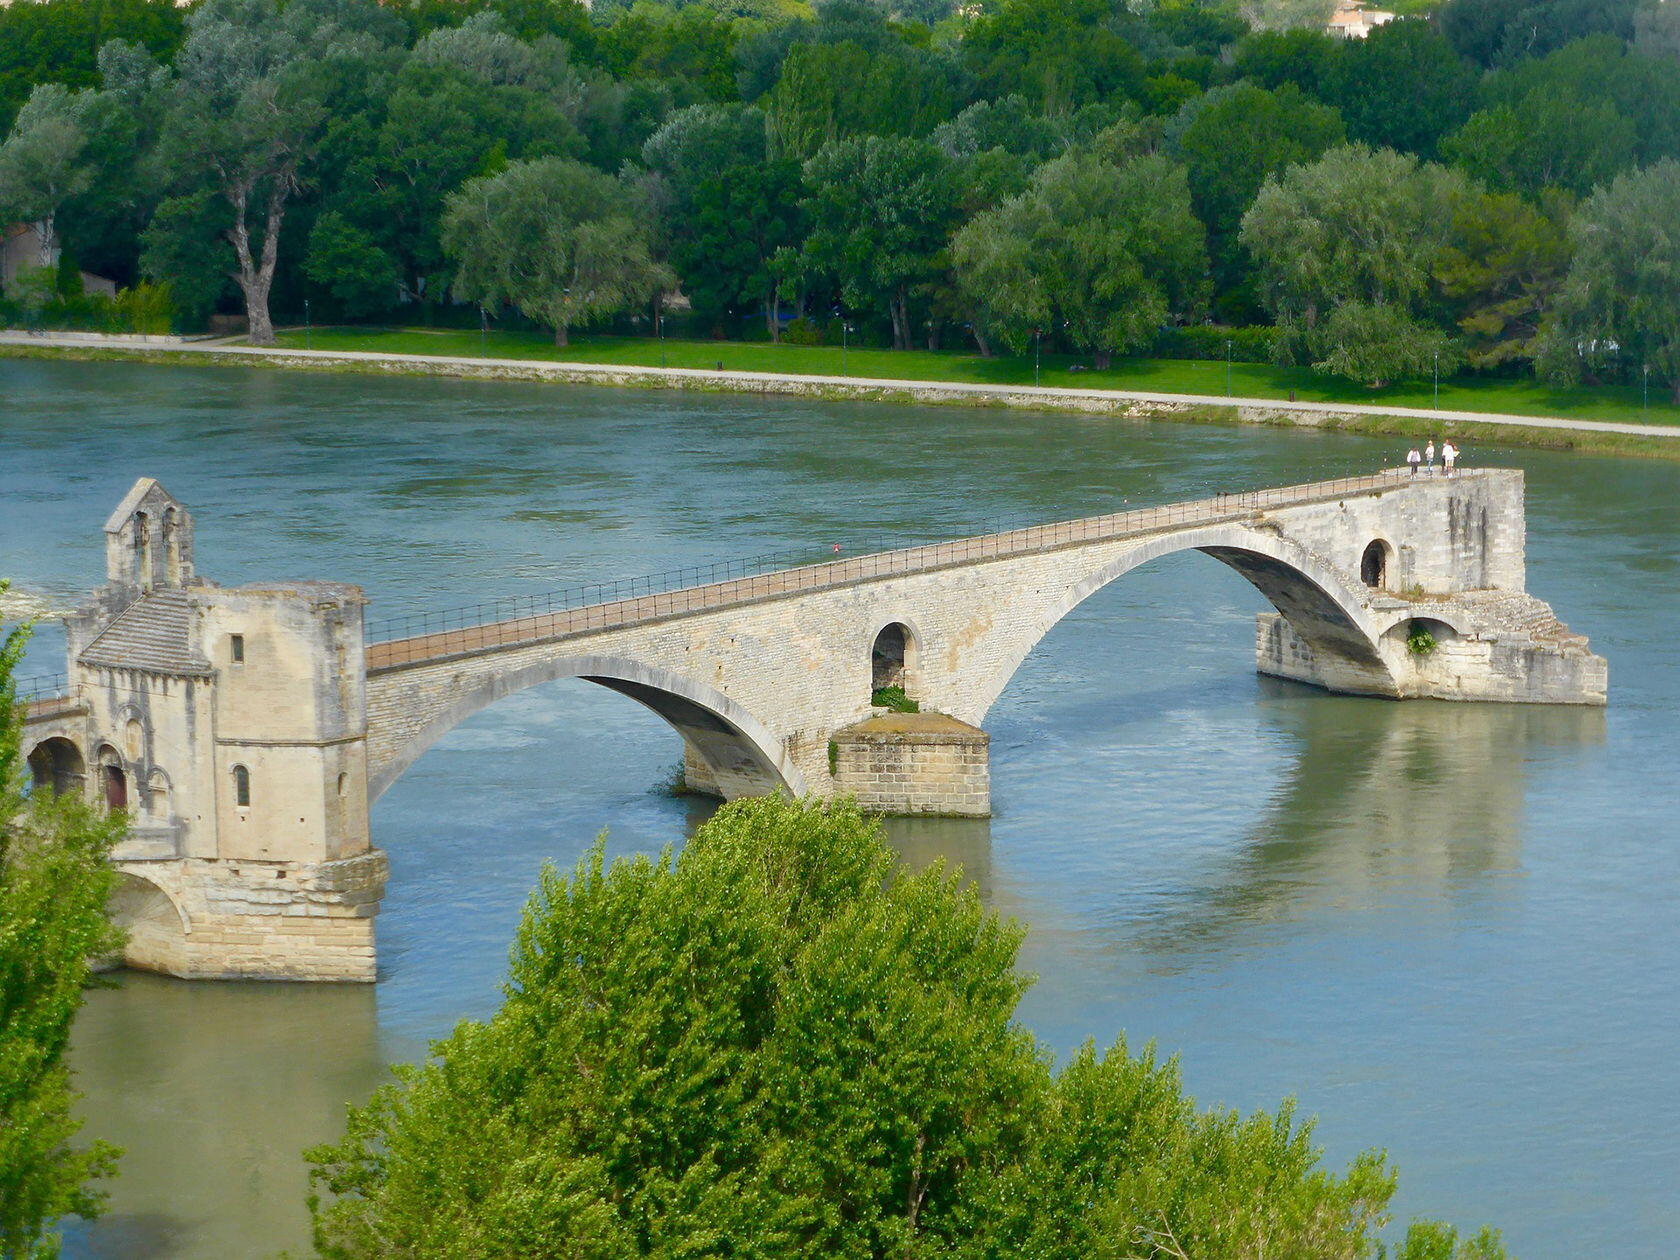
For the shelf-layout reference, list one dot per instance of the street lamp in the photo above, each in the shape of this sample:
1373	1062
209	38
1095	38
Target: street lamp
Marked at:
1646	405
483	330
659	325
1227	367
1437	380
1036	336
308	333
845	329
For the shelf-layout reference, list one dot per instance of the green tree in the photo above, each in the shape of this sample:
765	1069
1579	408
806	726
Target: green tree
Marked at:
1230	149
559	240
829	92
880	210
1058	53
1500	271
1344	251
1403	87
1504	32
54	881
1305	59
730	209
1546	140
777	1045
241	123
41	161
59	41
1104	254
1621	300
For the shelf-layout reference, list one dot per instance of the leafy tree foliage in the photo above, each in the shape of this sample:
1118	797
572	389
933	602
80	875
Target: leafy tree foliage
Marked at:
1621	300
1058	53
880	210
1504	32
1546	140
776	1045
555	238
41	164
1108	254
1402	87
54	882
1500	271
829	92
1234	144
58	41
1344	249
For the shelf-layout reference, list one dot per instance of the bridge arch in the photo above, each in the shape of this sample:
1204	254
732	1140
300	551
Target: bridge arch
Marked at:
1313	596
57	765
745	758
155	925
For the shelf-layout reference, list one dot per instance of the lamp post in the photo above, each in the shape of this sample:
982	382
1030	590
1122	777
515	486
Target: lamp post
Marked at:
1437	380
1036	336
308	332
1646	404
659	325
845	330
483	330
1227	367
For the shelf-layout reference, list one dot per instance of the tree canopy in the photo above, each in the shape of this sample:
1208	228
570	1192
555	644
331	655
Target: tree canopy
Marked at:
775	1044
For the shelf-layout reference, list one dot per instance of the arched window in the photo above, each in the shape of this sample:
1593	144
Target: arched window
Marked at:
241	786
1373	565
157	794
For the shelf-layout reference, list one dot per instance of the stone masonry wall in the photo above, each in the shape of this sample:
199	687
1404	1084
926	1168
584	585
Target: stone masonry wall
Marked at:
915	764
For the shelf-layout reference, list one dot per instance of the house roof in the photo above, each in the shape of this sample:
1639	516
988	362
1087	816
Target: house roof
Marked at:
153	634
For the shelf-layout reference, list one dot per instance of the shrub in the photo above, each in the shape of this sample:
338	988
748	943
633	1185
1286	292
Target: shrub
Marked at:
893	698
1419	641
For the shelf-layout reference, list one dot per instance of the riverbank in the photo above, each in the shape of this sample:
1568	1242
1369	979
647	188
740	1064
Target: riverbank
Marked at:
1470	427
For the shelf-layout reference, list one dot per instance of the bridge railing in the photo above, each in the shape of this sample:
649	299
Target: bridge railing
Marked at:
43	687
610	605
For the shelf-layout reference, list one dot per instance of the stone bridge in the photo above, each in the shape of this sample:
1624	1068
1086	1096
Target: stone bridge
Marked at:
247	729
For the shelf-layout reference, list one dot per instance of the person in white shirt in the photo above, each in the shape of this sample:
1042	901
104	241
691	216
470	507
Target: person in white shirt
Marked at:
1413	459
1449	456
1429	456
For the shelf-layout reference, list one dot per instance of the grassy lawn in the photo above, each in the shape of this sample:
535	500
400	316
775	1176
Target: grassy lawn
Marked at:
1167	376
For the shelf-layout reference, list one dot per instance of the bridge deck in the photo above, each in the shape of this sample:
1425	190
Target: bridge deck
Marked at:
685	601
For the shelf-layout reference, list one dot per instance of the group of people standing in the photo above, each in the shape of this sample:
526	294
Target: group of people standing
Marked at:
1449	457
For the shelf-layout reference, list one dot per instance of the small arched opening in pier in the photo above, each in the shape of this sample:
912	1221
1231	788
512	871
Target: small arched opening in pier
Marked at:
57	765
1373	564
892	659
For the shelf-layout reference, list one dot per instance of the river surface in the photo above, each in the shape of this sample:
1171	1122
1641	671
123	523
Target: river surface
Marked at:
1449	930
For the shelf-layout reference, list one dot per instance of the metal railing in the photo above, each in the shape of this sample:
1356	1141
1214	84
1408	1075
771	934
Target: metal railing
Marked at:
613	605
43	687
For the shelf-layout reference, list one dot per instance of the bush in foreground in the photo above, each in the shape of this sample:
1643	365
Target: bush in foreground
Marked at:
53	885
775	1045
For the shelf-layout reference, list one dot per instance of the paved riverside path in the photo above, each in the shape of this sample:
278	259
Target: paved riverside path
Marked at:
745	381
473	634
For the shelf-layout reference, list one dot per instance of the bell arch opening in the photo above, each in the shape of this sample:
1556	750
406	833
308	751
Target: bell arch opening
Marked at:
56	765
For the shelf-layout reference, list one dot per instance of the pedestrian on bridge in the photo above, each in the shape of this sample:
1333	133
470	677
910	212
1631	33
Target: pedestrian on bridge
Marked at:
1413	459
1429	456
1449	456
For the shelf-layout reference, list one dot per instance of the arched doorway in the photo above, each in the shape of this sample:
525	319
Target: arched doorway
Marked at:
113	781
56	764
1373	565
892	658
